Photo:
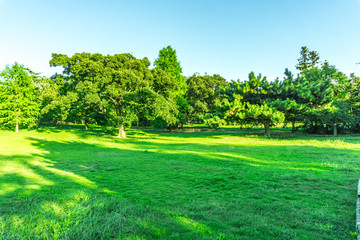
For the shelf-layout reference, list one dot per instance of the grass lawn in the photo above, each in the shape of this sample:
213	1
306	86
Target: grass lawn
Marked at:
75	184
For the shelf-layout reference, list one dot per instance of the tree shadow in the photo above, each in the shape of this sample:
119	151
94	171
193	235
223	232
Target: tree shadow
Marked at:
167	189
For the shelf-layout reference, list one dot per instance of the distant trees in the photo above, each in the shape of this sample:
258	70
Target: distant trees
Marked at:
123	91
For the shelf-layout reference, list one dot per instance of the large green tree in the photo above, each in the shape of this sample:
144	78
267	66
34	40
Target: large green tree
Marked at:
118	87
19	96
204	94
245	112
59	99
168	62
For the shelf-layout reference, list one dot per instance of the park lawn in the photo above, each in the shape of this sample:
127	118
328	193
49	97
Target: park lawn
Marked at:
75	184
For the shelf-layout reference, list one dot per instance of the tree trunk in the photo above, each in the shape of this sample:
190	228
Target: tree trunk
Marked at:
17	123
267	129
122	133
335	130
85	124
293	126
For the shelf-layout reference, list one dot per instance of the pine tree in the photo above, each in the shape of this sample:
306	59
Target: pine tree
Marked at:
308	59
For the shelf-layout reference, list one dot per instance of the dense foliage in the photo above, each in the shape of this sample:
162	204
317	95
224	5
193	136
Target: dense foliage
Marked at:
123	91
19	97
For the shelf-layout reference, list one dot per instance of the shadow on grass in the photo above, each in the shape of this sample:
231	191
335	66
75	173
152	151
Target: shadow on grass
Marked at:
140	188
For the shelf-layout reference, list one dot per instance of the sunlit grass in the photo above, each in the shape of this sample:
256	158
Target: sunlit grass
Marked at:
74	184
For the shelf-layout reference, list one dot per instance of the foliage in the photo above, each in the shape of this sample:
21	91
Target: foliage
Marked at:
293	111
204	94
167	61
245	112
58	99
123	91
19	97
120	87
214	122
308	59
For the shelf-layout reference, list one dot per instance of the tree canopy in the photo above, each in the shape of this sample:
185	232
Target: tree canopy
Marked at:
123	91
19	97
118	87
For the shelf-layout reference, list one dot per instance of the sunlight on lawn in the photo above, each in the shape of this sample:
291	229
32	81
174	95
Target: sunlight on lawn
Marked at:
71	176
205	186
31	180
192	224
16	170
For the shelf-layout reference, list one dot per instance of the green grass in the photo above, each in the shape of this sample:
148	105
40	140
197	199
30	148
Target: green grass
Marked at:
75	184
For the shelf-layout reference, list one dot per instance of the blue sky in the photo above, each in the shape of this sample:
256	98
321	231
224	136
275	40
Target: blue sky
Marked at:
230	38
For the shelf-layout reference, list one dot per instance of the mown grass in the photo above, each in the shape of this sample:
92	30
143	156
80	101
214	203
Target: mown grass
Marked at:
74	184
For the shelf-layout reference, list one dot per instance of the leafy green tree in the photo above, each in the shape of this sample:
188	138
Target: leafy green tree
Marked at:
338	115
19	97
168	62
204	94
245	112
213	121
118	87
354	101
255	89
174	109
354	95
293	111
164	112
296	96
58	100
250	101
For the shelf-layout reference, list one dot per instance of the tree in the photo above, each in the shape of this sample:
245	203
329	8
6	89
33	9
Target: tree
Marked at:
293	111
308	59
19	96
245	112
296	96
58	100
113	86
251	102
255	89
167	61
354	101
204	94
337	115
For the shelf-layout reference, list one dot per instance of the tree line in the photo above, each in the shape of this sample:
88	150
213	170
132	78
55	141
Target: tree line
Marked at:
123	91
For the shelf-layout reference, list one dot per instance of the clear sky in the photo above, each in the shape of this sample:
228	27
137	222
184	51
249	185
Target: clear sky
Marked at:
228	37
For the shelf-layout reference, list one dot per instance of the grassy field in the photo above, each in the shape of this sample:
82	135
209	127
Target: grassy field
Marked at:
75	184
